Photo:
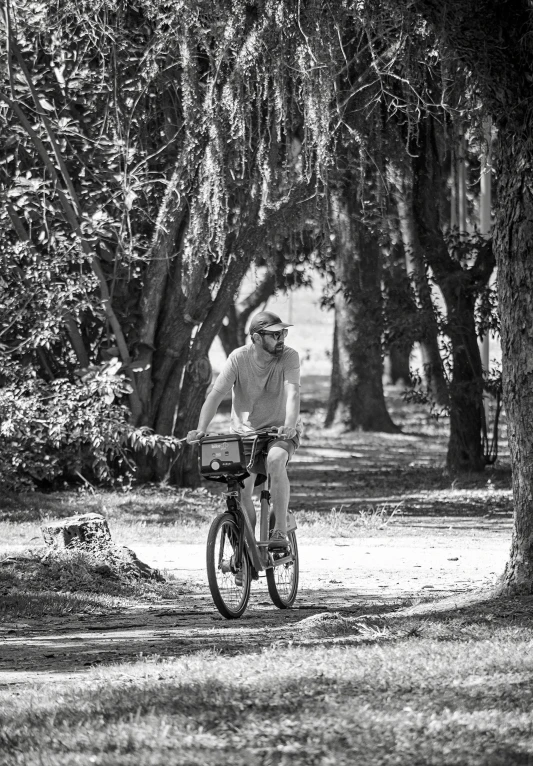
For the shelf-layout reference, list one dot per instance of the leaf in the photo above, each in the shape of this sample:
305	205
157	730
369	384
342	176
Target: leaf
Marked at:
129	197
46	105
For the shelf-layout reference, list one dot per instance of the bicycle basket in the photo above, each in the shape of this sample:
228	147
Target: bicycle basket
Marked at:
222	456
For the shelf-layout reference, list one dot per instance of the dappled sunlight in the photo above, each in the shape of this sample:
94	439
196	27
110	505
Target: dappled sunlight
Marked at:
390	649
375	701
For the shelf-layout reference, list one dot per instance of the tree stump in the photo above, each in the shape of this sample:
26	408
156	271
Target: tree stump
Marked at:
85	528
137	568
91	531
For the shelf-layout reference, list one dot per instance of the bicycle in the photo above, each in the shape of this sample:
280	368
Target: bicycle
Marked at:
234	556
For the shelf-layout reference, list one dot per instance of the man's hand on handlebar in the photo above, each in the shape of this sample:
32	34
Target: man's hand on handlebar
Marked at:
286	432
194	436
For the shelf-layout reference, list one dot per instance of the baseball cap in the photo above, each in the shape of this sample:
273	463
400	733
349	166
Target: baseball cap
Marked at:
267	321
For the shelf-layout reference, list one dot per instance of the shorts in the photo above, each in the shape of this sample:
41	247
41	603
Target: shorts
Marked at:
259	465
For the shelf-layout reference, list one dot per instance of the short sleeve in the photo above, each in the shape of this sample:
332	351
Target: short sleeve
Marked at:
226	377
291	367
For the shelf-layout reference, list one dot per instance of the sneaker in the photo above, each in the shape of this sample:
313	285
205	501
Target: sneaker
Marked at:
239	579
278	540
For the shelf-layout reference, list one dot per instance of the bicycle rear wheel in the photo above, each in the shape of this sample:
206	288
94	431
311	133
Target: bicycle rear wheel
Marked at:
282	580
229	580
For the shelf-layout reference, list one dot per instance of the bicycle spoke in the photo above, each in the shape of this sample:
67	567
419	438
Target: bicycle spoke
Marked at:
282	580
229	579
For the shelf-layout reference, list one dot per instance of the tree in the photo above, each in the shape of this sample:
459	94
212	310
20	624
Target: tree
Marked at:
401	315
400	174
154	161
461	267
460	283
492	40
357	359
410	140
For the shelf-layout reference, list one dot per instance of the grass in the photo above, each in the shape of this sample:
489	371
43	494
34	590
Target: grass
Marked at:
445	688
181	516
339	522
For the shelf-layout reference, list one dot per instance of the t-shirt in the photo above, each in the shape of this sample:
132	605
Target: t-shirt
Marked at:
259	394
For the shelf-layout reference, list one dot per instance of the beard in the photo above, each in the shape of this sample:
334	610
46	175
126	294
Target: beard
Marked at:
276	351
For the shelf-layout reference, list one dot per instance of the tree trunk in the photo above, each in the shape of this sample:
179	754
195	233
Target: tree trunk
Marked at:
335	388
359	319
399	367
401	311
232	334
513	237
459	285
465	447
402	181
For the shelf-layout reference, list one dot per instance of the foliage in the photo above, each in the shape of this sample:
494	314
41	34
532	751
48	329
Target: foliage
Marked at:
55	430
130	154
151	151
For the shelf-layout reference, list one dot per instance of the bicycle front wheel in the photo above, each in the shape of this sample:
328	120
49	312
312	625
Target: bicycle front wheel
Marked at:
229	579
282	580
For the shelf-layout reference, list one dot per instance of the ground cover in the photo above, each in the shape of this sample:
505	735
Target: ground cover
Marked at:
398	649
445	687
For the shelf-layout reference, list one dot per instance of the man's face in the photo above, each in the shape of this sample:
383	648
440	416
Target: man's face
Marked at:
273	343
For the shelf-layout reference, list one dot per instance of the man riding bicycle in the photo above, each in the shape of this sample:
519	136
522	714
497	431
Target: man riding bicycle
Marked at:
264	377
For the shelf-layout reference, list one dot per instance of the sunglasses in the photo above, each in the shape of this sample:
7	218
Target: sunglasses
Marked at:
276	335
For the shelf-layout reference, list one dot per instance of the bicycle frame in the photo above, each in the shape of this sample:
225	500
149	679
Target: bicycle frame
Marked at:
259	555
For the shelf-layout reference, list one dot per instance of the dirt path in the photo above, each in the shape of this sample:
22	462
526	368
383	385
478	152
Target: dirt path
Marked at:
365	575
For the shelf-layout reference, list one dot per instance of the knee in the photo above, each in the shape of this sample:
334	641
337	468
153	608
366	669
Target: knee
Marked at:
277	462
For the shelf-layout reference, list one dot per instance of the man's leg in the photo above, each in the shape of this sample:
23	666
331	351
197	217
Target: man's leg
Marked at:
246	498
279	488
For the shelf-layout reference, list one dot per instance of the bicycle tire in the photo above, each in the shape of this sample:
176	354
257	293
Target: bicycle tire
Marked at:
282	580
230	599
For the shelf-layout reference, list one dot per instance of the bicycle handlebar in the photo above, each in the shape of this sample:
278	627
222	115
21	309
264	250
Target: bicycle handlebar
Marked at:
247	435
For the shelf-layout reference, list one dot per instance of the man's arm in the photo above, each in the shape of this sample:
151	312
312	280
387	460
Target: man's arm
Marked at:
207	413
292	411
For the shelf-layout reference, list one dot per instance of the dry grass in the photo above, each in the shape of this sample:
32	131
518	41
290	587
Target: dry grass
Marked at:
342	523
181	516
45	582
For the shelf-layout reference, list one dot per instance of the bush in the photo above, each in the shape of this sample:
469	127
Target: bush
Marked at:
63	429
